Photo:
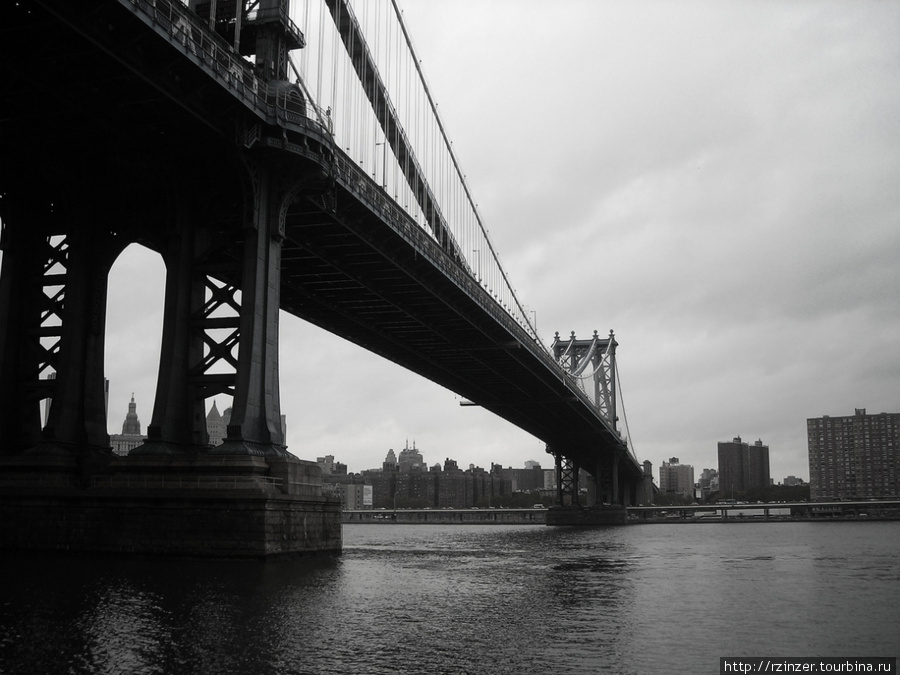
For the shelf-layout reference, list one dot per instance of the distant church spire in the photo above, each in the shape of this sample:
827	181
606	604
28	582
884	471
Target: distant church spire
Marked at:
213	416
132	425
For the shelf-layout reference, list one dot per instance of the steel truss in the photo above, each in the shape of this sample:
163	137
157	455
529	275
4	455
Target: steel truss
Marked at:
599	353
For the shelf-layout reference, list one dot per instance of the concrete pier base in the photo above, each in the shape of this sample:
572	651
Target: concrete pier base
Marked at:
223	507
586	516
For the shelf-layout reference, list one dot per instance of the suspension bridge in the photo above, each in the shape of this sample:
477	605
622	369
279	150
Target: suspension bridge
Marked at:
279	158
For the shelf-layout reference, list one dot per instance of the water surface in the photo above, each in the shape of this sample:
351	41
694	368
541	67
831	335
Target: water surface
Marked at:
667	598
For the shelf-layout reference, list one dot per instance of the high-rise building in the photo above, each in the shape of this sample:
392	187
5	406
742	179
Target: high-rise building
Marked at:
676	478
856	456
758	465
131	436
410	459
742	466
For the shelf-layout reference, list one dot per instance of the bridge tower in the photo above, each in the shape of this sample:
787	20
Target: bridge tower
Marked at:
177	174
576	356
599	353
59	245
599	383
260	28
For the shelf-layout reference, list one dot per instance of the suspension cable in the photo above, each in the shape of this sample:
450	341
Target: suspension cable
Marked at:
629	442
456	165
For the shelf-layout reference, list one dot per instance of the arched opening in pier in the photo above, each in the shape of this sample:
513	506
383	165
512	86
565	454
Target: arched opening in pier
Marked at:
134	314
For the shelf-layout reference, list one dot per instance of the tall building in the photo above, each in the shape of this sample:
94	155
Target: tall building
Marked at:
131	436
758	465
410	459
676	478
856	456
742	466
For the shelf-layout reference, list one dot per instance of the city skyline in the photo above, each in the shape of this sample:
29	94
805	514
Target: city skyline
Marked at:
679	474
724	203
546	463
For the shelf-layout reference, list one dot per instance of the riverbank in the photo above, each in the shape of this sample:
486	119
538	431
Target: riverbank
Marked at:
635	516
447	516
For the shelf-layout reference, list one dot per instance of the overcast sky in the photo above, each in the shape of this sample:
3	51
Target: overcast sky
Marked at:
718	182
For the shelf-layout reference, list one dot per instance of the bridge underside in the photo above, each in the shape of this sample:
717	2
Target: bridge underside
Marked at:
111	135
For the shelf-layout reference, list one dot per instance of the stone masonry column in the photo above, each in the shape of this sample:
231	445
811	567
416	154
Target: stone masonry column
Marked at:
615	480
77	419
20	297
255	425
178	423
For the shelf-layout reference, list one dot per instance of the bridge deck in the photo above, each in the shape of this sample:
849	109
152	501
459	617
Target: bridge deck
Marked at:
106	113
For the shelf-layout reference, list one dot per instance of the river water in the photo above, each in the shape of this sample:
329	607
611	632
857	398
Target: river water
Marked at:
492	599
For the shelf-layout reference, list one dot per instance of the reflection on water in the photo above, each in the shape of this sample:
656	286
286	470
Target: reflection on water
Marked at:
468	599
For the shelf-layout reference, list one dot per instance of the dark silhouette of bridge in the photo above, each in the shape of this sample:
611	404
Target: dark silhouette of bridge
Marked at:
179	128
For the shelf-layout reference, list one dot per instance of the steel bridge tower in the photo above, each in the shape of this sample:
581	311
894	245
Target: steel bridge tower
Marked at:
160	151
576	357
58	251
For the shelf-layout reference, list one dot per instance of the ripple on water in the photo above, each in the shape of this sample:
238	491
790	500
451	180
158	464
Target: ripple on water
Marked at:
458	599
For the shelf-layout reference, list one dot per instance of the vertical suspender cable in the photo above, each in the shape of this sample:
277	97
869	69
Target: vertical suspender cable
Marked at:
487	241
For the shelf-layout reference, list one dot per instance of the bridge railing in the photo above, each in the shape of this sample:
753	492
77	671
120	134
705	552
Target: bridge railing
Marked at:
282	103
210	51
370	193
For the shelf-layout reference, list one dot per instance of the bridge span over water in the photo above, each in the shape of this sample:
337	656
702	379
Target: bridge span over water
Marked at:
266	187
